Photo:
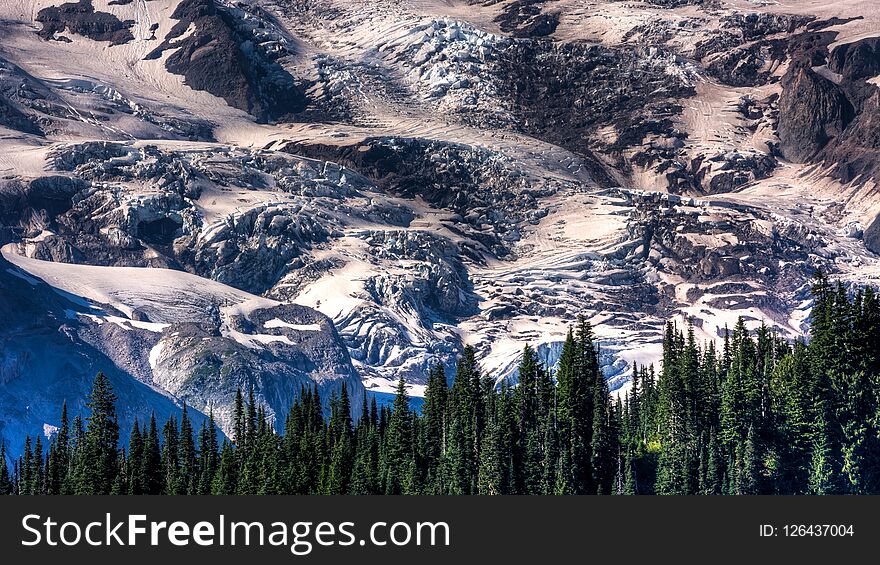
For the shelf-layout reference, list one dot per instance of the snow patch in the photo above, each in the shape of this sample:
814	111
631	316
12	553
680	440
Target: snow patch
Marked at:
49	430
278	323
256	341
155	352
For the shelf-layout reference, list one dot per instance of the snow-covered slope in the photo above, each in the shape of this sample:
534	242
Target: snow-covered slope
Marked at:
324	191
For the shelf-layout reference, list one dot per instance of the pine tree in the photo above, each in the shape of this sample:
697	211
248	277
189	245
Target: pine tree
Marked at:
492	460
76	478
465	427
5	480
53	477
150	468
101	438
603	454
227	471
208	456
187	456
38	471
434	414
62	451
135	459
170	462
398	449
239	419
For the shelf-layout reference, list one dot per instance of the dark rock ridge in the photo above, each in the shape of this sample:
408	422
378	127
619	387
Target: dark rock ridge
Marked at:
744	51
871	236
526	18
679	3
812	111
82	19
828	111
219	57
562	93
13	118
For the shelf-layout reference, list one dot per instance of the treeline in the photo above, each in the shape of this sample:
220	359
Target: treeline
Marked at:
751	415
760	415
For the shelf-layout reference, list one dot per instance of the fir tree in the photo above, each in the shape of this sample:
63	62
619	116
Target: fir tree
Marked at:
398	443
101	439
5	480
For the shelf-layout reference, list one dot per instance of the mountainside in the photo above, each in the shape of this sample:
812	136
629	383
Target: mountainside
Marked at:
202	195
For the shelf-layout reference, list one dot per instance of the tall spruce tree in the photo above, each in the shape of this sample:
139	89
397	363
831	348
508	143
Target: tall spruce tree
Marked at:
101	439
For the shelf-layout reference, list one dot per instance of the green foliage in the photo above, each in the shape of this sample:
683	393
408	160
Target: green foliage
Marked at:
756	416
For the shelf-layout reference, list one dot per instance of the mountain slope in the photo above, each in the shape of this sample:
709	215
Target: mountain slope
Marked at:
323	191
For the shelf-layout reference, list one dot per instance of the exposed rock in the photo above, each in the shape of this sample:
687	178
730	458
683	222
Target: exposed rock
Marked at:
276	351
526	18
833	118
562	93
13	118
441	282
220	58
82	19
812	111
871	236
480	185
743	53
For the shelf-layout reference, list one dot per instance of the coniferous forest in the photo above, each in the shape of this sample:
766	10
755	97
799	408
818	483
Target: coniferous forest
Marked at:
751	414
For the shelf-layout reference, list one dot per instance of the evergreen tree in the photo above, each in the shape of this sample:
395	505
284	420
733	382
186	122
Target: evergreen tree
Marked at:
208	455
151	468
398	448
101	439
135	458
5	480
187	457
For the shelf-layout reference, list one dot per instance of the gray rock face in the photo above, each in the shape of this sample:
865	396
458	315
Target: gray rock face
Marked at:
479	185
833	120
276	351
441	282
812	111
47	358
748	49
871	236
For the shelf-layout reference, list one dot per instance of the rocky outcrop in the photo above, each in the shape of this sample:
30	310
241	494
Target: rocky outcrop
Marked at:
276	351
13	118
527	18
563	93
829	111
856	151
746	50
222	58
81	18
440	289
871	236
812	111
725	172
